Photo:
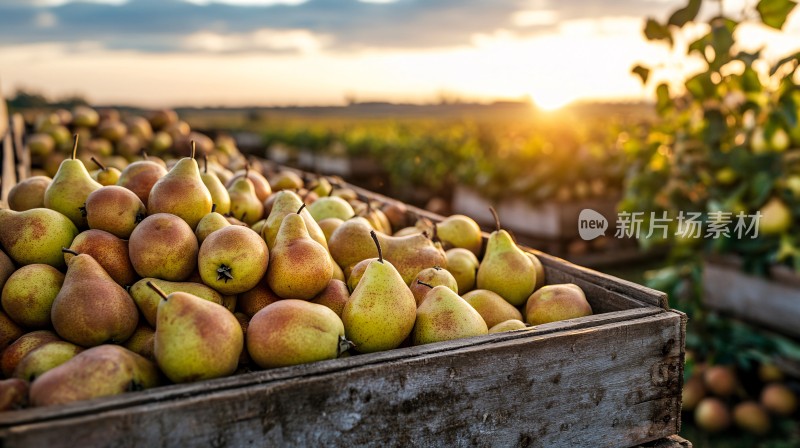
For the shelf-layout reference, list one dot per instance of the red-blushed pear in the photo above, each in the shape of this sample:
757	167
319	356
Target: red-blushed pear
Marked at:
260	184
140	176
493	308
181	192
357	272
91	308
36	236
163	246
245	205
195	339
210	224
285	203
444	316
142	341
252	301
97	372
233	259
553	303
108	250
13	394
28	342
71	185
44	358
428	278
334	296
292	332
711	415
505	268
147	299
28	194
381	311
114	209
299	267
9	331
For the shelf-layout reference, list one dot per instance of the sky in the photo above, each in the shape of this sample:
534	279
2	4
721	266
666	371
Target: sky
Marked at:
157	53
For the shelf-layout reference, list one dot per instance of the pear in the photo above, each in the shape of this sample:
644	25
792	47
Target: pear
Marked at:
71	185
260	183
105	175
209	224
258	226
36	236
26	343
233	259
40	144
328	226
492	308
381	311
85	116
142	341
140	176
108	250
508	325
286	180
552	303
162	118
287	202
219	195
460	231
195	339
538	269
430	277
28	194
334	296
505	268
245	205
330	207
48	356
252	301
6	268
444	316
147	300
463	264
91	308
299	267
779	399
776	217
13	394
114	209
397	214
181	192
97	372
9	331
29	294
291	332
163	246
357	272
350	244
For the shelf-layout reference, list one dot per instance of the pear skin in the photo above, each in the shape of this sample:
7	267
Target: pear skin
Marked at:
334	296
219	194
6	268
28	194
444	316
91	308
509	325
493	308
300	268
142	341
553	303
329	225
26	343
181	192
287	202
506	269
140	176
69	189
147	300
539	269
430	277
97	372
381	311
252	301
209	224
163	246
330	207
463	264
108	250
44	358
261	186
36	236
196	339
114	209
13	394
292	332
245	205
233	259
29	294
357	272
9	331
460	231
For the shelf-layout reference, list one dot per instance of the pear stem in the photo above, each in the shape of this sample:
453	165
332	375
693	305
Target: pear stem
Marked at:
69	251
435	236
330	192
75	147
301	208
213	208
496	218
193	149
377	244
158	290
98	163
426	284
144	154
205	163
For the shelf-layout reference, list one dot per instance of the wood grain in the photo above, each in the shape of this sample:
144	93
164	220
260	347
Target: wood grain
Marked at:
527	391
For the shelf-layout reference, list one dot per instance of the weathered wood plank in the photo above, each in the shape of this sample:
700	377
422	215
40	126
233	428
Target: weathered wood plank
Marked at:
672	441
770	303
27	416
8	174
531	391
23	156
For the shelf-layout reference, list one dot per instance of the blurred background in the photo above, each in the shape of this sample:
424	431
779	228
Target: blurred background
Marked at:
541	108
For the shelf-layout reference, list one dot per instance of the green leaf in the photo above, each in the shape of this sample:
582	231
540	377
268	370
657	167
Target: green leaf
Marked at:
656	31
774	12
642	71
686	14
663	101
700	45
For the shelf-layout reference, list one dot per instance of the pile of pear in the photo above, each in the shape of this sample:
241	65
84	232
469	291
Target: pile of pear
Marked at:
104	292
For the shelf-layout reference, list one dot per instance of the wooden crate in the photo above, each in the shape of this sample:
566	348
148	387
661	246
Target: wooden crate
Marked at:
772	303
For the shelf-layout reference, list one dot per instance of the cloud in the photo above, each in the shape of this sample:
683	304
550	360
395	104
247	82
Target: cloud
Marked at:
293	25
